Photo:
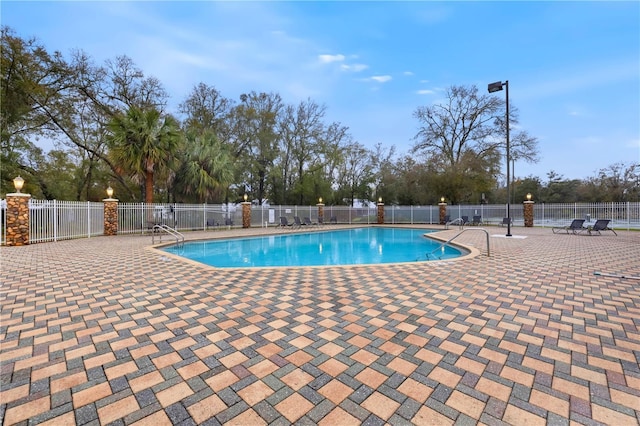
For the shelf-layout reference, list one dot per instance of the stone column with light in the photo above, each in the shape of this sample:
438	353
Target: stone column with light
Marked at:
442	207
320	210
110	214
18	215
380	211
528	212
246	213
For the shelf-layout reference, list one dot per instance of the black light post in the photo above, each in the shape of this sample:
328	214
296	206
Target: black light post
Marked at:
496	87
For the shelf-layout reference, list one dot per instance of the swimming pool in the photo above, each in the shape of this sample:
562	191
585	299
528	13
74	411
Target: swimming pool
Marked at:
357	246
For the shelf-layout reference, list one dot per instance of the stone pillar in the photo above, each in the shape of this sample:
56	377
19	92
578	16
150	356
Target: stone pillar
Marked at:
380	213
110	216
320	212
18	219
442	212
246	214
528	213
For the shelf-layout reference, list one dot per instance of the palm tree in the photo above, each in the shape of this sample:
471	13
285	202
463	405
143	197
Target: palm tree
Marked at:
206	169
143	142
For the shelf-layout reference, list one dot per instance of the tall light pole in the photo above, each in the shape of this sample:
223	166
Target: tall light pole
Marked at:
496	87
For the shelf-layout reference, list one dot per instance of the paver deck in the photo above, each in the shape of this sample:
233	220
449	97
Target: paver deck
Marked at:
107	330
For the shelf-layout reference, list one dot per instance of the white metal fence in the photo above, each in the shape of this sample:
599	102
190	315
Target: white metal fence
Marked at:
52	220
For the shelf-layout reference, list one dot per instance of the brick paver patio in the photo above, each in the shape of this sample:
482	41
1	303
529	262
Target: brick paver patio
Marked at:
108	330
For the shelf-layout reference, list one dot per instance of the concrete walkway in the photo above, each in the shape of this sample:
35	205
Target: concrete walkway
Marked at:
107	330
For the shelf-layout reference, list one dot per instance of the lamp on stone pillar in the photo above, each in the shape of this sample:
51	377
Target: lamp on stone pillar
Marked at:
17	216
380	211
442	211
320	211
110	207
528	211
246	212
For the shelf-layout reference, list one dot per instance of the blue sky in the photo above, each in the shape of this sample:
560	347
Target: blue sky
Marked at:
573	67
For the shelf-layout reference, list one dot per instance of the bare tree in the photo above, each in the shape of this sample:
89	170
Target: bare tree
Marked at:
467	134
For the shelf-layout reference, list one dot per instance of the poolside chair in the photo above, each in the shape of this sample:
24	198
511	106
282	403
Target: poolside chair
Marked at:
465	220
307	221
506	221
296	222
333	220
600	225
575	227
476	221
284	223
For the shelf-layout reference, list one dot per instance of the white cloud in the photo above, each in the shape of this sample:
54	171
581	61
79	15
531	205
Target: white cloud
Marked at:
327	59
381	78
354	67
407	73
426	92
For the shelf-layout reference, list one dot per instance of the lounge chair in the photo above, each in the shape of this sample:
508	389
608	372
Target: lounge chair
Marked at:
476	221
506	221
465	220
296	222
284	222
574	228
307	221
333	220
600	225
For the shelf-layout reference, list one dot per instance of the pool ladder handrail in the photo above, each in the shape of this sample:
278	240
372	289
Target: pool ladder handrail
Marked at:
166	229
456	236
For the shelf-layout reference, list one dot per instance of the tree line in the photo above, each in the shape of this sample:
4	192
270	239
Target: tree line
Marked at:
109	125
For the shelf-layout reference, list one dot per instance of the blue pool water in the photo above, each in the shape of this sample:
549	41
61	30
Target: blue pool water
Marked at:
341	247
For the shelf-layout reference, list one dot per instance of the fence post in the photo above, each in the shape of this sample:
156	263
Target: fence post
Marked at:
55	220
110	216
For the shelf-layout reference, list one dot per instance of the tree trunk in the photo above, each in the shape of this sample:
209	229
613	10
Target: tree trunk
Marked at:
148	187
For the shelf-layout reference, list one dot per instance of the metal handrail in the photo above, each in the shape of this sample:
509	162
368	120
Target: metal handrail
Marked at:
164	228
456	236
457	221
